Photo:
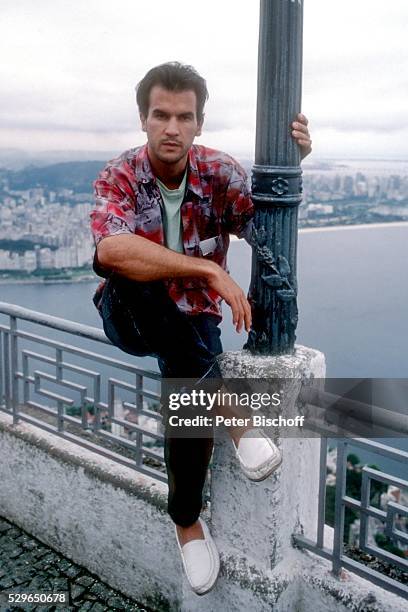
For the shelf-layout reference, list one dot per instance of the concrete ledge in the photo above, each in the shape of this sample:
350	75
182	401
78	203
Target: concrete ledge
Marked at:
321	591
113	520
103	516
104	469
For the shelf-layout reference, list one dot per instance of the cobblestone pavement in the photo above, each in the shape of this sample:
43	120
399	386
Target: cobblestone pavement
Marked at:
26	564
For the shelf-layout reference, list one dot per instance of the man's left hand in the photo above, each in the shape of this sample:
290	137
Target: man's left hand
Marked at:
301	135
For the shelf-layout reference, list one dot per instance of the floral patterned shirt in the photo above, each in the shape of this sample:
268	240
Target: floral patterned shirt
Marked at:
216	203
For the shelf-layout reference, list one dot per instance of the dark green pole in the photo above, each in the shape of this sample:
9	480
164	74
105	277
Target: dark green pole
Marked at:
276	179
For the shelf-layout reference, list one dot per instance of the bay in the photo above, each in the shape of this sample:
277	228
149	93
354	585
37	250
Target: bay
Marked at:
353	298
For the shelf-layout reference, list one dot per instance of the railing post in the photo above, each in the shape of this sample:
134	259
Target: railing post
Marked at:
14	367
59	377
1	369
6	359
341	475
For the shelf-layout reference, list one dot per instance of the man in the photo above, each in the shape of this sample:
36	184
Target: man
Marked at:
163	215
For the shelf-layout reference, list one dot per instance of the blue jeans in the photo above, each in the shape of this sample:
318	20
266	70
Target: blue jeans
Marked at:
141	319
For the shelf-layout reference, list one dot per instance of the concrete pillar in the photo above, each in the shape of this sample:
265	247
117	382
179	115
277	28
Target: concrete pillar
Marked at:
252	522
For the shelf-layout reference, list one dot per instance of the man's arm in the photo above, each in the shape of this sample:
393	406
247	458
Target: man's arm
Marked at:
140	259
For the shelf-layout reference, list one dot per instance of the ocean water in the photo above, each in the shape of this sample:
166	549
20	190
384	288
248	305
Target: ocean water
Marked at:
353	298
353	301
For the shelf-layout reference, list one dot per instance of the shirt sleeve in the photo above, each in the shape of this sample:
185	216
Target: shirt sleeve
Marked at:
114	211
239	209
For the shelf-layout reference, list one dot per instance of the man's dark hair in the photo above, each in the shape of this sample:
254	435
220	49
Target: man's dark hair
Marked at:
172	76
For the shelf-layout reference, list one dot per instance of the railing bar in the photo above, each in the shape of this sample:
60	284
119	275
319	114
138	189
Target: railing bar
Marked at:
135	427
80	370
380	449
341	475
150	414
370	511
38	356
373	576
147	412
303	542
389	584
89	355
321	511
1	369
45	409
386	478
54	396
111	436
14	367
365	502
40	318
62	382
6	344
95	448
153	454
387	557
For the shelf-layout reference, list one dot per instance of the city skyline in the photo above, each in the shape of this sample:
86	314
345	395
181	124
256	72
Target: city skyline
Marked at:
71	73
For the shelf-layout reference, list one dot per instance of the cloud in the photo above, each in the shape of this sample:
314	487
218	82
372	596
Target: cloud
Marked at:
71	69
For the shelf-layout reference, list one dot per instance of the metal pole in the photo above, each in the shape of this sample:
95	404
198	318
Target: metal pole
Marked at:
276	179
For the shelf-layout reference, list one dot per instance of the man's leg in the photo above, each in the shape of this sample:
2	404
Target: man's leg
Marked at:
141	319
187	458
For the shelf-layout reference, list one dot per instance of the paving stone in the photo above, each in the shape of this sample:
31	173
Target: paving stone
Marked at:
30	545
40	550
63	564
59	584
13	531
52	571
16	552
4	526
86	581
51	557
117	602
24	575
101	591
6	582
97	607
37	582
85	606
77	591
26	557
73	571
28	565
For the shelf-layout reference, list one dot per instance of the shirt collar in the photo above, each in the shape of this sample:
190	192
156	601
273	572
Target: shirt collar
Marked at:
145	174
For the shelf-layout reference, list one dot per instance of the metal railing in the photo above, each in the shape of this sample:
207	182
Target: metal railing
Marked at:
70	382
366	510
21	381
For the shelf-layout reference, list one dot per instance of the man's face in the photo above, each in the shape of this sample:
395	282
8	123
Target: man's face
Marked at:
171	124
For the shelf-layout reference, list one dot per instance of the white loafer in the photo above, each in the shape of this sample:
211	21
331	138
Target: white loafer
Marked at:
257	454
201	561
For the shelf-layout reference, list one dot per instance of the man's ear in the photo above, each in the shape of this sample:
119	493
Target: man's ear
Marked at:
143	122
200	126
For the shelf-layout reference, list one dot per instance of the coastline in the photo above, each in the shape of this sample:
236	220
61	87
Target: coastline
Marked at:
42	281
87	278
336	228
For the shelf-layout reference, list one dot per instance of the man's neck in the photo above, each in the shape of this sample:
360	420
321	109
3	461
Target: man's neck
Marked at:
170	175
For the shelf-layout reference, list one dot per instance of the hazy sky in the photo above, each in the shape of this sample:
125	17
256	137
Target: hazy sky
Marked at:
69	69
